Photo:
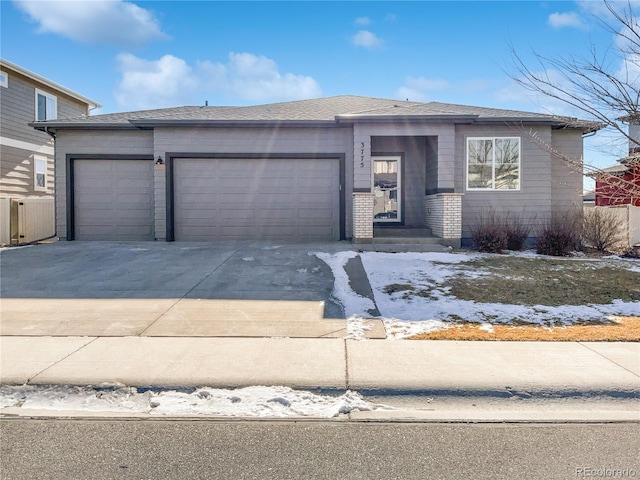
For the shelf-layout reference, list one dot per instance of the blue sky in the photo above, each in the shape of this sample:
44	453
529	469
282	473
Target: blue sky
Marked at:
150	54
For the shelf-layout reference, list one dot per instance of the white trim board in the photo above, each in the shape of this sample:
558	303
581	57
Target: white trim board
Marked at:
32	147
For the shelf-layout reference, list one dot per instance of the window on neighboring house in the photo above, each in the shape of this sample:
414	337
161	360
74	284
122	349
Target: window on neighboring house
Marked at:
46	106
4	79
493	163
40	172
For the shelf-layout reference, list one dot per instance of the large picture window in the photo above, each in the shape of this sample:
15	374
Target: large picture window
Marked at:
493	163
46	106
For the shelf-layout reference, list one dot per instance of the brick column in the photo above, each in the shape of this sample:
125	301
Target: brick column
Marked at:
363	217
444	216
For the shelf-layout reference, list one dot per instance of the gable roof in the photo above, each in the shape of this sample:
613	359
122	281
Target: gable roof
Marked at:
46	82
343	108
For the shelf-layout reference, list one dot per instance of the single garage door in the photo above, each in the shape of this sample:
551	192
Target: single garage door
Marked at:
219	199
113	199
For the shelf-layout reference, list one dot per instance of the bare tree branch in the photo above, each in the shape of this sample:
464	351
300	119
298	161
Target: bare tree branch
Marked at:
604	86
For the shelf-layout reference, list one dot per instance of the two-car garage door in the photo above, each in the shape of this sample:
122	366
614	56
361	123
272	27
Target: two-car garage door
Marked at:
252	198
212	199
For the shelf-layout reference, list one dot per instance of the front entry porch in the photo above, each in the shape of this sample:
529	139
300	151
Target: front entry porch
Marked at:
404	186
442	214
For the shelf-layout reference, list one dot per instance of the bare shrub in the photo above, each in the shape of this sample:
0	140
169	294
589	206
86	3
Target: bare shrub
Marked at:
489	235
496	232
517	230
603	230
561	234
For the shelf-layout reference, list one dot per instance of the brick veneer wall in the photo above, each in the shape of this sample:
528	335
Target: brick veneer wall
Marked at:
444	214
362	217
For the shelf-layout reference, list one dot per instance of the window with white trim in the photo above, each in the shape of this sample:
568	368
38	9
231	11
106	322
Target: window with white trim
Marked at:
46	106
4	79
493	163
40	172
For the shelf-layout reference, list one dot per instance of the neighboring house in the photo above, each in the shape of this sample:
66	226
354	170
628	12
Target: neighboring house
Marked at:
618	187
26	155
322	169
620	184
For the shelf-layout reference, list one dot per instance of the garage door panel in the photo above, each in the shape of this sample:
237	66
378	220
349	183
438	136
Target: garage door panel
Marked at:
314	214
127	199
113	199
319	182
314	230
256	198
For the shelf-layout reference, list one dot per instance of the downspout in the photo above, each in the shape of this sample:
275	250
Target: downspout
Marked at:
55	197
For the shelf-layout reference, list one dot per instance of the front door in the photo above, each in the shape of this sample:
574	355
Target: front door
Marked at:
387	207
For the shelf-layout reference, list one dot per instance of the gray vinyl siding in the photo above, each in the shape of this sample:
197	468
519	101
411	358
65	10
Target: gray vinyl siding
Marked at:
17	173
92	142
18	108
252	141
566	179
431	170
414	154
533	202
446	148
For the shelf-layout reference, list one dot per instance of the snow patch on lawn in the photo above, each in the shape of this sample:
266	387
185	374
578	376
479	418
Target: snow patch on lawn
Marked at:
396	280
256	401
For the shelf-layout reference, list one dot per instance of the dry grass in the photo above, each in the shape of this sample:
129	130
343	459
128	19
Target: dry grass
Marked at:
622	329
543	281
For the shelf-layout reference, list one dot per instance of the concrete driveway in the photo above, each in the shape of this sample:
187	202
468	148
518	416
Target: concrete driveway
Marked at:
170	289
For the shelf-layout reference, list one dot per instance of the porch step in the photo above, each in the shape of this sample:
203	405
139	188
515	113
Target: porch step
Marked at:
402	231
402	247
406	235
407	240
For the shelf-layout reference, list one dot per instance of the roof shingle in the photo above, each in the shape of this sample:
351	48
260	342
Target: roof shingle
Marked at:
313	110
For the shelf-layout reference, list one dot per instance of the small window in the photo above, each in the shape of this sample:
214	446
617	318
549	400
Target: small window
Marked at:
4	79
46	106
493	163
40	172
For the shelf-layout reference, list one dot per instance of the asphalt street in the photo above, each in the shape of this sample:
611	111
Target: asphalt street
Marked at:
135	449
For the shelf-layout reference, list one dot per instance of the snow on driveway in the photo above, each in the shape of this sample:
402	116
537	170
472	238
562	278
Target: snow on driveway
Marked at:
405	316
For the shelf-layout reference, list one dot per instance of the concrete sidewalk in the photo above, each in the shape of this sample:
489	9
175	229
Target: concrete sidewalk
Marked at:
482	368
171	315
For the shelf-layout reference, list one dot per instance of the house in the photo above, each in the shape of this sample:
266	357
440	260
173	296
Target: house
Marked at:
618	187
320	169
620	184
26	155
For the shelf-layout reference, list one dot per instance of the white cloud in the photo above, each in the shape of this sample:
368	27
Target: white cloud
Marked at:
390	17
362	21
366	39
629	71
170	81
568	19
113	22
426	84
416	89
153	83
256	78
